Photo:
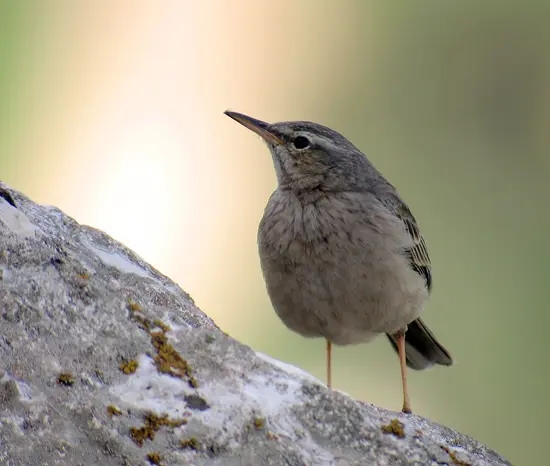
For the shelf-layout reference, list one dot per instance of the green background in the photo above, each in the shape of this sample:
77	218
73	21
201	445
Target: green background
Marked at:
450	100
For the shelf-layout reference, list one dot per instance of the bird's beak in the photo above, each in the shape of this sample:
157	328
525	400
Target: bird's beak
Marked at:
258	126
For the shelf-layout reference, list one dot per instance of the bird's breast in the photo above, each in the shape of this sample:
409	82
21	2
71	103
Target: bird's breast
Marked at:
333	266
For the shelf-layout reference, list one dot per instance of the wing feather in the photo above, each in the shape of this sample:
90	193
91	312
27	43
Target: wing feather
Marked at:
418	252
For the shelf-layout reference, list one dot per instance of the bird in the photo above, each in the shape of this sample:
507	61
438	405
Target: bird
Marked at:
341	253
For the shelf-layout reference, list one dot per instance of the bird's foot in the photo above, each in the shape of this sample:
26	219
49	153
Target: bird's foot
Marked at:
406	409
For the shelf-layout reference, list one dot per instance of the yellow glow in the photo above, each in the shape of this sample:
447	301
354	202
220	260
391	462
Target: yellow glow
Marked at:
119	122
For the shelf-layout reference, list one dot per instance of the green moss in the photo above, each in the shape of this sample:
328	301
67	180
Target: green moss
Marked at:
192	443
395	428
129	367
65	378
112	410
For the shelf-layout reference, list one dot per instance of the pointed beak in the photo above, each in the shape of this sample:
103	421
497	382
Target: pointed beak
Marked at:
258	126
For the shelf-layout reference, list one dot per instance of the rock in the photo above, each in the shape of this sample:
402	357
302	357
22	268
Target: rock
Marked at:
103	360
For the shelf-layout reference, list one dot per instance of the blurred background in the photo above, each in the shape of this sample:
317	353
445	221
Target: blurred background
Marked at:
113	111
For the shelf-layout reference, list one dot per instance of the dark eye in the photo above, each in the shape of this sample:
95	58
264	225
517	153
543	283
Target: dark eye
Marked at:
301	142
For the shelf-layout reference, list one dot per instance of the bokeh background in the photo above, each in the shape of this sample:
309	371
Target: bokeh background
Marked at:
113	112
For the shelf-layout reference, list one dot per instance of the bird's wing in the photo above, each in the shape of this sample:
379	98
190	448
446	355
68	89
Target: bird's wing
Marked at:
418	252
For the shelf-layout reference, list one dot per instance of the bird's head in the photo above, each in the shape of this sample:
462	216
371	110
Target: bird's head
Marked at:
311	156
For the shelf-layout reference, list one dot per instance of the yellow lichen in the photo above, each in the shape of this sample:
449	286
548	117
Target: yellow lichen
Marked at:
134	307
259	423
271	436
160	324
394	428
154	457
129	367
152	424
143	322
192	382
453	457
140	434
112	410
167	360
65	378
192	443
158	421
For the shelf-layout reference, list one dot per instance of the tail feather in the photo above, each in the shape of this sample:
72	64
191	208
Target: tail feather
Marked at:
422	348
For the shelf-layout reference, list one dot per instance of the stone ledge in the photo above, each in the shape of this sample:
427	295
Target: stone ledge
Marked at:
103	360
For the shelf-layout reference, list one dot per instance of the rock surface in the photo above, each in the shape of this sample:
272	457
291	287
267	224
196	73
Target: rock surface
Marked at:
105	361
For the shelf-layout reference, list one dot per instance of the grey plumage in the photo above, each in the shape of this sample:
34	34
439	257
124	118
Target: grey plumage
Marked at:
341	253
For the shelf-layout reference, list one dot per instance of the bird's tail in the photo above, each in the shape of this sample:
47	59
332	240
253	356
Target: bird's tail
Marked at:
422	349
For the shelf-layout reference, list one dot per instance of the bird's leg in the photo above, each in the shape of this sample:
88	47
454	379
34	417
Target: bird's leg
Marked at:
400	339
329	364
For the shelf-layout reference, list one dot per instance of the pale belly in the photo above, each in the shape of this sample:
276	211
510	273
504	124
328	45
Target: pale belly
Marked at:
348	287
344	304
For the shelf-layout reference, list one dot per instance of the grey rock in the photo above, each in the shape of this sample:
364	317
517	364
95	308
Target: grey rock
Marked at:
103	360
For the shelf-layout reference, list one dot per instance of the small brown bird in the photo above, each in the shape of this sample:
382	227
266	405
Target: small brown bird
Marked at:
341	253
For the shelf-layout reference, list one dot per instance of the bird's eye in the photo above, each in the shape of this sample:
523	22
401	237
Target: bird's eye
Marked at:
301	142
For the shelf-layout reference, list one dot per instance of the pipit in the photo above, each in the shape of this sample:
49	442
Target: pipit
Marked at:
341	253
